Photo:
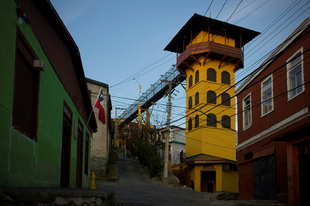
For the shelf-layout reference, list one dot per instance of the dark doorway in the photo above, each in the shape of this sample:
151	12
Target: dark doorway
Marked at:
65	148
208	181
304	179
265	177
79	162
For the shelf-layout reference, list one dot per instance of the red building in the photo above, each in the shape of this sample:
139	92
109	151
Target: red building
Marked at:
274	124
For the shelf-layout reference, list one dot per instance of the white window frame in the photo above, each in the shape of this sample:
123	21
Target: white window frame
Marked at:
288	69
262	95
243	112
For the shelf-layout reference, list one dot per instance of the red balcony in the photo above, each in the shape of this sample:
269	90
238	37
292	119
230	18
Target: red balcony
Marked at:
212	50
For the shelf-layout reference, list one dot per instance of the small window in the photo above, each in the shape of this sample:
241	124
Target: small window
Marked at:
190	105
26	89
211	120
295	78
190	124
247	116
211	97
211	75
248	156
197	77
197	98
267	95
196	121
226	122
225	77
190	81
225	99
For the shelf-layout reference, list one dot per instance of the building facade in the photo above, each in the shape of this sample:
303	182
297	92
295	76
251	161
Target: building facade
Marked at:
101	142
44	107
209	52
176	143
273	124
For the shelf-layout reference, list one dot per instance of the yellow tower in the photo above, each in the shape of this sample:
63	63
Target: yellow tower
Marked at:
209	52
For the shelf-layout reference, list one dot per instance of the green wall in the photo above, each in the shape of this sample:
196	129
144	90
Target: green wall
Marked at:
24	162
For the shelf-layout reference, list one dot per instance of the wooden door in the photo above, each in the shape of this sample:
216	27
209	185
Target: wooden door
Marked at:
304	178
264	172
65	149
79	163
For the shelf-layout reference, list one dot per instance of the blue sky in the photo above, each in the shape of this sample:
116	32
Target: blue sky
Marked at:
117	39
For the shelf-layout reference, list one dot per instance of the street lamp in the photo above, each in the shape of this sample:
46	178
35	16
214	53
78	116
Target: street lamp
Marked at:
139	87
139	108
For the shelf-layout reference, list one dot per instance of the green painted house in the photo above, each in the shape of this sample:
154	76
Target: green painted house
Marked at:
45	109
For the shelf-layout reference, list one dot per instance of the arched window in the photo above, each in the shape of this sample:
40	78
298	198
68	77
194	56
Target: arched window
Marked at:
197	77
196	121
190	81
225	77
226	122
190	124
211	120
225	99
197	98
211	97
211	75
190	105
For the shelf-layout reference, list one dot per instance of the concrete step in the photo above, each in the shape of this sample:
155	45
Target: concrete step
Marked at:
257	203
55	196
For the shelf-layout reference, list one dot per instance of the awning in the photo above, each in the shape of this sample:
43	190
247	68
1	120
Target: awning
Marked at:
264	153
208	168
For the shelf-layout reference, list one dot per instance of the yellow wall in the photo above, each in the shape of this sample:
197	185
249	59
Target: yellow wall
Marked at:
230	181
217	141
208	140
203	37
194	173
225	180
219	178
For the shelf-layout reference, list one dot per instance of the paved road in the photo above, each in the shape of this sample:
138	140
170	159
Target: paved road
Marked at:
135	188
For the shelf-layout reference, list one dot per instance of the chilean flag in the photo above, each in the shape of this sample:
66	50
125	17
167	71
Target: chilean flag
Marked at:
99	105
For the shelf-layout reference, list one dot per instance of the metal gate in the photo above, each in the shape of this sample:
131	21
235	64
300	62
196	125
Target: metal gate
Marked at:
265	177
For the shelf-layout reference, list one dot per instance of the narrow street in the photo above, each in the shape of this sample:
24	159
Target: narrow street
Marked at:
135	188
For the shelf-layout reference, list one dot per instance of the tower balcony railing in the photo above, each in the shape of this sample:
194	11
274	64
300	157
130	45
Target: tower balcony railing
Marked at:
212	50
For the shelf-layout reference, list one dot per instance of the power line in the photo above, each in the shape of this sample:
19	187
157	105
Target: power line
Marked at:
252	73
129	78
237	83
258	104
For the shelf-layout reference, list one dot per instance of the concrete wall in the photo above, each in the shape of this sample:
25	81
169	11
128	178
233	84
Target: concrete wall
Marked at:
177	137
175	152
99	147
100	142
24	162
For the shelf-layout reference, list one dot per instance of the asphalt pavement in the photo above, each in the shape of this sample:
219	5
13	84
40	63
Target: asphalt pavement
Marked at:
135	187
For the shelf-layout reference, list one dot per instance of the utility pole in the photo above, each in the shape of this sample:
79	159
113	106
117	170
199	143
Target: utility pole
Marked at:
125	154
167	133
115	129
